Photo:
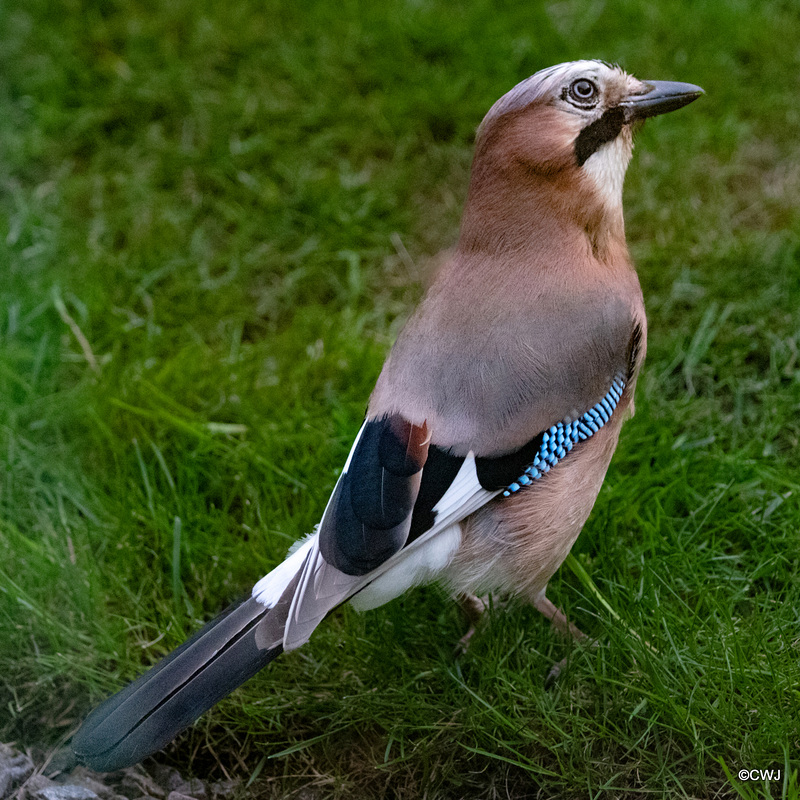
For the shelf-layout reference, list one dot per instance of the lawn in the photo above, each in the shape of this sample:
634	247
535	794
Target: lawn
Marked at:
214	219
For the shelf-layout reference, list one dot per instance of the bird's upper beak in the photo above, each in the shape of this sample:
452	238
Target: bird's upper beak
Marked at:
658	97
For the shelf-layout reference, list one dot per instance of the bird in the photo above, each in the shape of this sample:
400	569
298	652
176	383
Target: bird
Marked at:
494	418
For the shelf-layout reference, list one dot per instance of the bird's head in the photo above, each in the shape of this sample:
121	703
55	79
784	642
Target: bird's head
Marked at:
564	137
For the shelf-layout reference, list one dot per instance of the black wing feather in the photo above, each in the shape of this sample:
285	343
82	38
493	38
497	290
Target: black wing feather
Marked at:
369	515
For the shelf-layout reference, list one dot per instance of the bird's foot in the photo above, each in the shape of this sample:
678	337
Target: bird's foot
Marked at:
555	673
474	609
560	666
560	622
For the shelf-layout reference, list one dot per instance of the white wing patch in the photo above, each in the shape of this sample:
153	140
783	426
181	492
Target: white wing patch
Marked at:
464	496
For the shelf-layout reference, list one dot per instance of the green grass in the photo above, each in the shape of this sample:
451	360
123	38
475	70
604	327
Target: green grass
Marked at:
235	205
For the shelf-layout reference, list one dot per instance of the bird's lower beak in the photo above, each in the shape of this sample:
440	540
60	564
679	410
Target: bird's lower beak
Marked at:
659	97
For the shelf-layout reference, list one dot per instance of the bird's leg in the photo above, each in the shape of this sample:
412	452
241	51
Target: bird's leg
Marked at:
560	622
558	618
474	608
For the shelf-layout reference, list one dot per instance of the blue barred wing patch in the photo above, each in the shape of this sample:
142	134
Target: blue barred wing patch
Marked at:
559	439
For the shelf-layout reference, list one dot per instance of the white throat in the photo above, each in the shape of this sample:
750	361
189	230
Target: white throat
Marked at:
607	167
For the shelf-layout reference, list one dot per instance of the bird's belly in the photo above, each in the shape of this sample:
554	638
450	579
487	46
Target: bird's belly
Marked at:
515	544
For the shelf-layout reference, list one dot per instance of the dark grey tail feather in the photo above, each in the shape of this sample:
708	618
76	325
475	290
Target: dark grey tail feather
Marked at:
146	715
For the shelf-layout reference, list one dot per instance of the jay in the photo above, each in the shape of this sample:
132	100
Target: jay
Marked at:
493	421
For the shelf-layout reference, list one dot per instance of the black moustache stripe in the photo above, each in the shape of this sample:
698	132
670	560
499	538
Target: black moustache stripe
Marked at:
602	130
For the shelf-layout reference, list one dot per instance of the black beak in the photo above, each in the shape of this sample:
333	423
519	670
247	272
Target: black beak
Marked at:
658	98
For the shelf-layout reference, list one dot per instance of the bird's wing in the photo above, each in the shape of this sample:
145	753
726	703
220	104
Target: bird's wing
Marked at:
367	520
400	489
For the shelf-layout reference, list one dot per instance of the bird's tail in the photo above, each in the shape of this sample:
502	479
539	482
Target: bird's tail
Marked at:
150	712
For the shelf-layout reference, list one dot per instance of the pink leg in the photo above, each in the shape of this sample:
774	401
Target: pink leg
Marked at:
557	618
560	622
474	608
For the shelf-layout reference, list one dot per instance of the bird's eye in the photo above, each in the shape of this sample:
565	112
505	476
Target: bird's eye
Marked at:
583	91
